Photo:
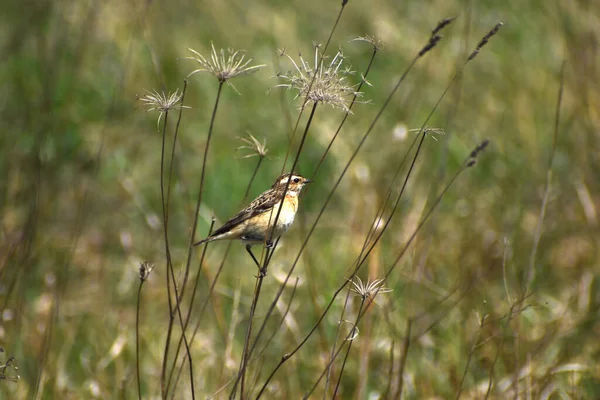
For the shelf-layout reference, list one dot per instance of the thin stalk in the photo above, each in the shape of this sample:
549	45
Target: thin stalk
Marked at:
353	332
470	357
172	160
302	108
269	237
187	320
185	341
469	162
244	360
375	49
538	229
193	233
213	284
285	313
167	254
327	200
404	357
265	259
432	42
337	333
351	335
137	340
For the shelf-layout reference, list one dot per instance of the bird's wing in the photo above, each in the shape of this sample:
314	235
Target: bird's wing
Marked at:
261	204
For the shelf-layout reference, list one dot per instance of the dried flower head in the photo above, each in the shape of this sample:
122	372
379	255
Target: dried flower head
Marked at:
255	146
145	269
162	102
225	65
368	289
320	82
431	131
376	43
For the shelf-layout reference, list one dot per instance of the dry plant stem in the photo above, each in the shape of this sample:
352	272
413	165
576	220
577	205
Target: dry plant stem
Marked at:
353	333
171	163
287	154
137	340
346	114
172	160
531	270
386	393
243	361
185	341
269	237
337	334
337	20
379	214
404	357
518	306
491	375
470	356
469	161
270	339
428	47
167	252
213	284
381	210
184	328
194	225
337	353
265	259
364	254
538	228
268	342
168	201
170	272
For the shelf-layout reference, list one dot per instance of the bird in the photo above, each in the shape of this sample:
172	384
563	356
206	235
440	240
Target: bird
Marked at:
254	224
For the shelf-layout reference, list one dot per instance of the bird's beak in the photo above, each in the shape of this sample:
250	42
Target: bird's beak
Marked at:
307	181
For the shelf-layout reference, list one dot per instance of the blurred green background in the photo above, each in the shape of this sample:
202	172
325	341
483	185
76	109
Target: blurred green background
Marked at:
81	206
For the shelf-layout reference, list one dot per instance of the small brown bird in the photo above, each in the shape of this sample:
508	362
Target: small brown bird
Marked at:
254	223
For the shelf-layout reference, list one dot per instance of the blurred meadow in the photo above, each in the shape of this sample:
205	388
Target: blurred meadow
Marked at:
485	266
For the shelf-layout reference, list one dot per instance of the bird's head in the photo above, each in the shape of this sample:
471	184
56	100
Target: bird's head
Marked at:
296	183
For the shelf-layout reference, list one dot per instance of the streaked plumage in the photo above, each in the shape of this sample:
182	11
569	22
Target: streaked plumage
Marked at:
252	224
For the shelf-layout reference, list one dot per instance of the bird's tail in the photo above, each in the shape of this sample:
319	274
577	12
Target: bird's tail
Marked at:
208	239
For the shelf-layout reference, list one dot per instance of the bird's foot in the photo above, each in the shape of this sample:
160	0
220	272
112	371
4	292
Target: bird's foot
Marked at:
262	272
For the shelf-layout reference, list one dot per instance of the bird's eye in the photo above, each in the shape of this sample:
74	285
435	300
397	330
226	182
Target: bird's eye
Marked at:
296	180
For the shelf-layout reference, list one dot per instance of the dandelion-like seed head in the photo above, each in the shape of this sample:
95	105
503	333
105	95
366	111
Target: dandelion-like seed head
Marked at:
224	65
145	269
255	146
162	102
320	81
368	289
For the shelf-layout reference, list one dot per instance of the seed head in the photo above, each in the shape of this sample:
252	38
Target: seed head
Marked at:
255	146
320	82
162	102
145	269
376	43
225	65
368	289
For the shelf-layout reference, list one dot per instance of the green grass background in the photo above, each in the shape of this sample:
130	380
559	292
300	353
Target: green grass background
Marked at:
80	196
